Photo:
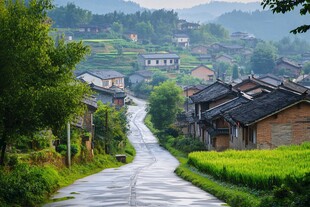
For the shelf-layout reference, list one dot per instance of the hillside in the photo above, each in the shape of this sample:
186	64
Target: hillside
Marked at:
264	24
207	12
103	6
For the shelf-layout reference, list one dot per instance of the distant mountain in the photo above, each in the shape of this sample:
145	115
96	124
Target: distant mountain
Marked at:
208	12
103	6
264	24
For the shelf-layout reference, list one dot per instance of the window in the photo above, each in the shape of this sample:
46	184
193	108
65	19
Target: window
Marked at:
165	61
105	83
149	62
252	134
170	61
176	61
234	131
157	62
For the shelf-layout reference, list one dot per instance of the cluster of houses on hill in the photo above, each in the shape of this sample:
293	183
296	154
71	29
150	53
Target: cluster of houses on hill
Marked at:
257	113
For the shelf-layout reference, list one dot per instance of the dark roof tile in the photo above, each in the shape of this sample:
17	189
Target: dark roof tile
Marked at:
263	106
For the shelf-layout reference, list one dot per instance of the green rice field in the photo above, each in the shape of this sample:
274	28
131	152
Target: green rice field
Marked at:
260	169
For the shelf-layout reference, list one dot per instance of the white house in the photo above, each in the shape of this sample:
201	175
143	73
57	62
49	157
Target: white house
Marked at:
167	61
103	78
181	40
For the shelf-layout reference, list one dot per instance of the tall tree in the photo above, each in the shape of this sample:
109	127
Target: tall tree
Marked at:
111	127
280	6
164	103
263	58
37	86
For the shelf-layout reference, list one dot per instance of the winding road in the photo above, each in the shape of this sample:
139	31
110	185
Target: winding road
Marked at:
148	181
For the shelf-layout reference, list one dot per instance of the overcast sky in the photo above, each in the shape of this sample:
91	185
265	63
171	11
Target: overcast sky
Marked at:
178	4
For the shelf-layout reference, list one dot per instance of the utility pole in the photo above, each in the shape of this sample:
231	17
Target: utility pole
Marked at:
106	132
68	145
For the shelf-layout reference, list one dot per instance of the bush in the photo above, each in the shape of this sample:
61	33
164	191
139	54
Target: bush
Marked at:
27	185
188	144
62	149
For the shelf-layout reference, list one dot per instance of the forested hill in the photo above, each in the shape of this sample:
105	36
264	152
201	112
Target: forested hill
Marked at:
264	24
207	12
103	6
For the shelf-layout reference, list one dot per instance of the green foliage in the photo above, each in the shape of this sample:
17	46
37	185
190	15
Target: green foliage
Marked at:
27	185
164	103
188	144
235	72
306	68
294	192
142	89
36	73
263	58
111	128
286	46
260	169
232	196
62	149
158	78
70	16
209	33
184	79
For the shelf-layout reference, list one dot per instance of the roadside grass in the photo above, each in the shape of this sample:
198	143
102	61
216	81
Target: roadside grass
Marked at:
27	182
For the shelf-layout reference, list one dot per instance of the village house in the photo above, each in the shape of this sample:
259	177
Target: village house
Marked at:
183	25
203	72
103	78
288	67
228	49
140	76
224	58
165	61
132	36
304	80
240	35
217	129
281	117
181	40
199	50
88	29
112	95
254	87
85	123
271	79
211	96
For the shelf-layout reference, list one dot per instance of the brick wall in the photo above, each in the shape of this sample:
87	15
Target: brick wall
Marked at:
291	126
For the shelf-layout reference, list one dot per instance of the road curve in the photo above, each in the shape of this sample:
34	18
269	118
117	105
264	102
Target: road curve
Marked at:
148	181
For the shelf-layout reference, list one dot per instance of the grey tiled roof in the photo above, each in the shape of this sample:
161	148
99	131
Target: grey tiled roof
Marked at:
294	86
160	56
263	106
213	92
218	110
104	74
145	73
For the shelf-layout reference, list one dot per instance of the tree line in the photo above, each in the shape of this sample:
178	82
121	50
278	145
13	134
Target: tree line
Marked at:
156	26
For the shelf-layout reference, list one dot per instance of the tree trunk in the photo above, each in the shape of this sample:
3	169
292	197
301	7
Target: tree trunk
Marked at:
3	148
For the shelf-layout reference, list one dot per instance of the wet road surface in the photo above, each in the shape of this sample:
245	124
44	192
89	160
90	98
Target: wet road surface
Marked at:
148	181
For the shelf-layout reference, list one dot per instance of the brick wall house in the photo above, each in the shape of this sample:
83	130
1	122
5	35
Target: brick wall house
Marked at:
278	118
203	72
